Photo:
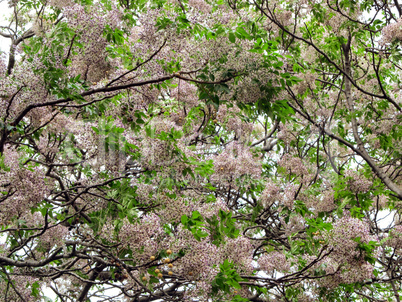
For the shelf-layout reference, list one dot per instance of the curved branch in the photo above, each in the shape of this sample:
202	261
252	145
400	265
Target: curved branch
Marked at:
310	43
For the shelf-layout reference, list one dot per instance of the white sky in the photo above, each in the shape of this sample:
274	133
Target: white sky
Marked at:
4	11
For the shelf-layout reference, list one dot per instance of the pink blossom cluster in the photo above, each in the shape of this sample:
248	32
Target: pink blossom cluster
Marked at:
3	249
273	262
294	165
343	273
90	27
392	32
295	224
345	263
321	111
229	117
23	290
199	293
171	209
395	238
321	202
286	134
201	257
340	238
336	272
61	3
357	182
141	237
54	237
235	161
270	194
240	252
3	65
284	195
157	153
26	186
209	209
200	6
185	93
25	89
308	82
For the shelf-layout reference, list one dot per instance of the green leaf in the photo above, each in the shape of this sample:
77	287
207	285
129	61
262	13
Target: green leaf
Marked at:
226	279
184	219
232	37
35	289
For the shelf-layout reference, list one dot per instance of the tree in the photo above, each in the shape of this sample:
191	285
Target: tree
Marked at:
201	151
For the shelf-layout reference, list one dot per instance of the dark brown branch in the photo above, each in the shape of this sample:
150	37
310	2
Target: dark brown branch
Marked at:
273	19
138	65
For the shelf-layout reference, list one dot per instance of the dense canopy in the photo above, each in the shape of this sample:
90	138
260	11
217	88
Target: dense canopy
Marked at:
191	150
